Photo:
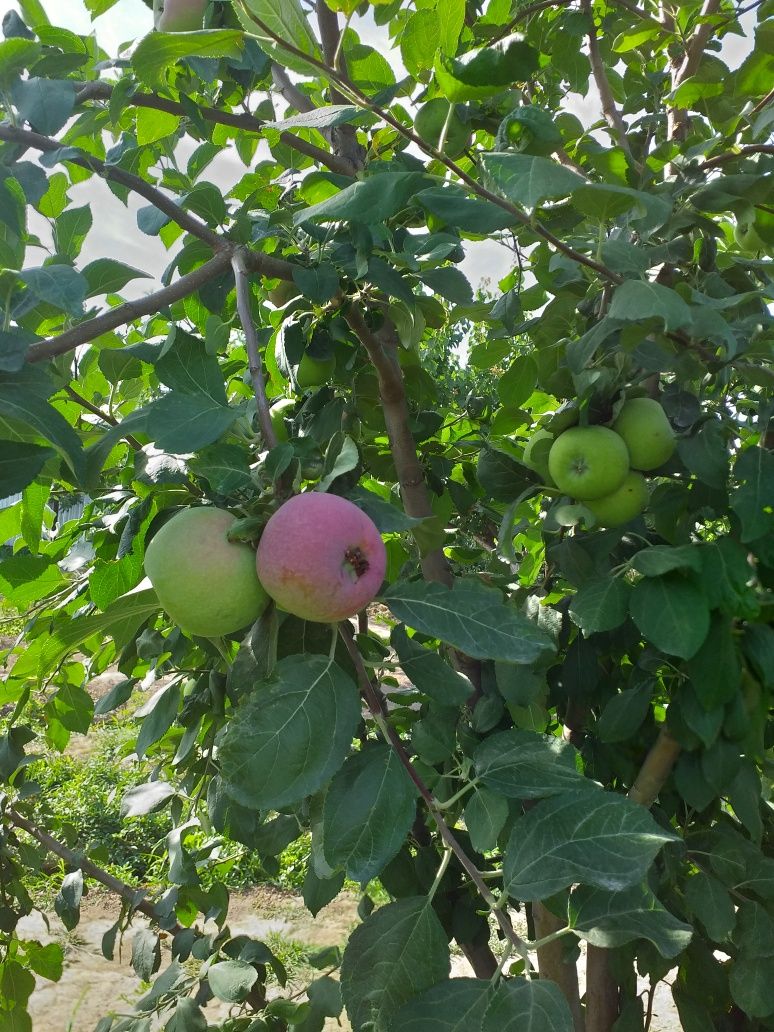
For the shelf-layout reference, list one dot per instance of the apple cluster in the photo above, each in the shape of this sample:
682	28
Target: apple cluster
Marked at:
320	558
602	466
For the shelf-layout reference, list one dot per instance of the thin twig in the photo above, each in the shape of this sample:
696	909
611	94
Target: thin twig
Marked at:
104	416
134	897
244	309
244	121
743	152
184	219
376	705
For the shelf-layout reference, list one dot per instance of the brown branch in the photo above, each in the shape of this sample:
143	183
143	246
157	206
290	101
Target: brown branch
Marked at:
128	312
343	137
184	219
678	117
134	897
553	965
105	416
601	990
359	98
743	152
288	89
255	365
376	705
246	122
656	769
609	109
762	103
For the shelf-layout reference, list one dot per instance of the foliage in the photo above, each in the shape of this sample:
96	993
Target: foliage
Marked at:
568	720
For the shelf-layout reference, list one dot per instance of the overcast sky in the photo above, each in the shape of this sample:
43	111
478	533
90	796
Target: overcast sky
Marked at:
115	231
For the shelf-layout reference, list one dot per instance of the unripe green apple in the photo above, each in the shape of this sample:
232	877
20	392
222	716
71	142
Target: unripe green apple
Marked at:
536	452
429	124
621	505
284	292
181	16
647	434
321	558
313	372
206	583
588	462
278	412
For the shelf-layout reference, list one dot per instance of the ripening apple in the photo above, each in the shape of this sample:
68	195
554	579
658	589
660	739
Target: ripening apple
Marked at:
645	429
588	462
313	372
283	293
321	558
182	15
206	583
536	452
622	504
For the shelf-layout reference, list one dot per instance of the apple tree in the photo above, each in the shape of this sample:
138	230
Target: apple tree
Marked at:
549	739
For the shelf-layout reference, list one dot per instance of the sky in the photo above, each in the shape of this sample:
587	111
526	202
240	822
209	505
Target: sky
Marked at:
115	230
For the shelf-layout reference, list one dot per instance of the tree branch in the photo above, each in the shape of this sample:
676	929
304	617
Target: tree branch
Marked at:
246	122
288	89
376	705
184	219
656	769
743	152
128	312
134	897
359	98
105	416
677	120
244	310
343	137
609	109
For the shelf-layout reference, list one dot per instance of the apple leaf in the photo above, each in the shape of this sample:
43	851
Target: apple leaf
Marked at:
672	613
611	919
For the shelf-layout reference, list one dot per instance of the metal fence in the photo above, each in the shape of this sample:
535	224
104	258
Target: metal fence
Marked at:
72	511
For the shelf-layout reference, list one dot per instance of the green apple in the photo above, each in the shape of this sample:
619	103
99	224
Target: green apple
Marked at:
536	452
313	372
207	584
645	429
622	504
588	462
283	293
181	15
278	413
429	124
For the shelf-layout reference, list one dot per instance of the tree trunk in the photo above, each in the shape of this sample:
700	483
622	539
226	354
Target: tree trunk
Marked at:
551	962
601	991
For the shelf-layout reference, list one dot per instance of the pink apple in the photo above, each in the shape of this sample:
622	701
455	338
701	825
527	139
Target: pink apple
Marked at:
321	558
182	15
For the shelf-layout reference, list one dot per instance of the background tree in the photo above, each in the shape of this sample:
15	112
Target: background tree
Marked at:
586	738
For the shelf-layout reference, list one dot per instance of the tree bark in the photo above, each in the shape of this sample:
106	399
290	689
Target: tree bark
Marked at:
551	962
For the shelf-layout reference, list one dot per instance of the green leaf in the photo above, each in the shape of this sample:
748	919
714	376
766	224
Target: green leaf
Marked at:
751	500
147	798
108	276
525	765
27	578
710	902
160	50
319	283
637	301
595	838
705	453
714	669
19	465
399	951
232	980
528	180
188	1017
71	229
157	715
325	996
225	466
370	200
671	613
601	604
368	811
450	283
661	559
68	900
472	618
420	41
59	285
624	714
458	1005
470	214
272	752
486	72
319	892
528	1006
485	816
146	954
45	103
429	672
324	118
750	981
501	476
611	919
182	423
153	125
285	20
